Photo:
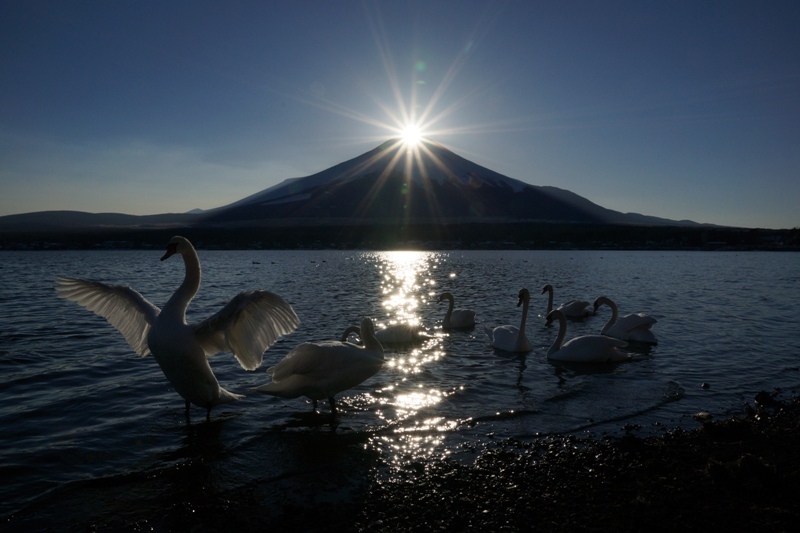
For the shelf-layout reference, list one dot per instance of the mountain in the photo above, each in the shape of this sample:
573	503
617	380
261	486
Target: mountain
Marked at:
390	184
394	184
60	221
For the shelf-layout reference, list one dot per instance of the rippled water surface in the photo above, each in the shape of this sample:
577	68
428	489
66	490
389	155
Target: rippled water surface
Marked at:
90	430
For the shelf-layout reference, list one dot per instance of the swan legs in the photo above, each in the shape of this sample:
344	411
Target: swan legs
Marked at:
331	402
189	410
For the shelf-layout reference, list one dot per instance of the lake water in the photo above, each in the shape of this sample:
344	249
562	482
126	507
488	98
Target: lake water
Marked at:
90	431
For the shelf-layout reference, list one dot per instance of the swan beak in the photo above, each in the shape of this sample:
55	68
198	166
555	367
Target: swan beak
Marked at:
171	249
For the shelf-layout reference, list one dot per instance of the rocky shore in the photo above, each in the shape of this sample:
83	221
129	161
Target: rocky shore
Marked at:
739	474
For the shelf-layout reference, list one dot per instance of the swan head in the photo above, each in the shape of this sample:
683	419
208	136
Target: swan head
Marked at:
444	296
547	288
524	296
600	300
555	314
367	327
176	245
348	331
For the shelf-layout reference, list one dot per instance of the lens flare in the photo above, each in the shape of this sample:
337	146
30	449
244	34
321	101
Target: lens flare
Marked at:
411	135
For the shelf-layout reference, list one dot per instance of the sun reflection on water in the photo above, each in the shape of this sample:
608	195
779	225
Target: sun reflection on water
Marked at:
407	281
399	286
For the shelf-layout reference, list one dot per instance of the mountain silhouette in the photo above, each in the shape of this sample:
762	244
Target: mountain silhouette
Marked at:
389	185
393	183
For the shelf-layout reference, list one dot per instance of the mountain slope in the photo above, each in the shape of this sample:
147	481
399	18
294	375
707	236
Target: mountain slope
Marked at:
388	184
392	184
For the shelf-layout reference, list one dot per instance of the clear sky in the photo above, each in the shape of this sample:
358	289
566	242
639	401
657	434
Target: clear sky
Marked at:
678	109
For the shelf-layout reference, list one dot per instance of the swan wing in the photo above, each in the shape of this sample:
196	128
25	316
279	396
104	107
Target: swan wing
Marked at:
320	370
249	324
592	349
630	324
462	318
575	308
123	307
325	361
304	359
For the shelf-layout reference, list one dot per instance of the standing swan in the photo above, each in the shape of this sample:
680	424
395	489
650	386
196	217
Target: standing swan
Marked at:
456	318
247	325
584	349
633	328
512	338
319	370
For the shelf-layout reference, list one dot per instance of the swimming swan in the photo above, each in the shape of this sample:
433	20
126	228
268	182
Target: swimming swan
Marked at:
319	370
401	334
633	327
571	309
584	349
247	325
350	331
512	338
456	318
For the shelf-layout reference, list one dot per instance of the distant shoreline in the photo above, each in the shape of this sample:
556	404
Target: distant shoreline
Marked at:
461	236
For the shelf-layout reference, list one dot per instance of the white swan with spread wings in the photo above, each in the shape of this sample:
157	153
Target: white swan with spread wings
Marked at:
247	325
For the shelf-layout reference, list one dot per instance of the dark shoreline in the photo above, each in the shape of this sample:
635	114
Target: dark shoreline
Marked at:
738	474
456	236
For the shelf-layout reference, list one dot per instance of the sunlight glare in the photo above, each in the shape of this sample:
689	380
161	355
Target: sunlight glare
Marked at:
411	135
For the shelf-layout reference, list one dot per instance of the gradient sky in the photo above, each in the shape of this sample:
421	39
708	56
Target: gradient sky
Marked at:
677	109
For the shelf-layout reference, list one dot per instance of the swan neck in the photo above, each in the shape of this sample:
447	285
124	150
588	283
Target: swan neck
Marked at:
525	304
190	285
613	319
450	305
562	332
549	300
371	342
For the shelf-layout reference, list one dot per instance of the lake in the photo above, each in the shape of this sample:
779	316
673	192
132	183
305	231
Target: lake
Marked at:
91	431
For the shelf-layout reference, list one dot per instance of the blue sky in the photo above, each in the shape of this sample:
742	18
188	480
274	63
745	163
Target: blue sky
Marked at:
678	109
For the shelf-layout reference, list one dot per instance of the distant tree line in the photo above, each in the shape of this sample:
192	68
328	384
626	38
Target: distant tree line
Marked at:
525	235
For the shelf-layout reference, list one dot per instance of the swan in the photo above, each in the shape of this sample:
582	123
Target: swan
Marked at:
456	318
571	309
512	338
584	349
319	370
247	325
349	331
633	327
401	334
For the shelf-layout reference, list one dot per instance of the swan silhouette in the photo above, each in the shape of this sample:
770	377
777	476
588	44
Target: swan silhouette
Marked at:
456	318
401	334
319	370
574	309
247	325
632	328
512	338
584	349
349	331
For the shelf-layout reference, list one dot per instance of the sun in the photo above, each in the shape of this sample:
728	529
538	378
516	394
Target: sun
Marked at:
411	135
